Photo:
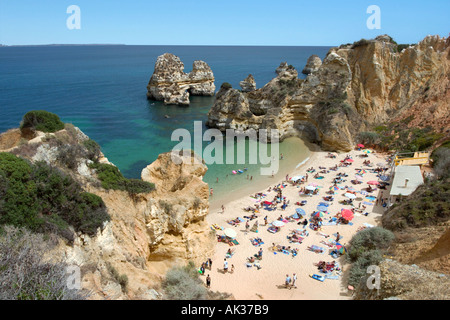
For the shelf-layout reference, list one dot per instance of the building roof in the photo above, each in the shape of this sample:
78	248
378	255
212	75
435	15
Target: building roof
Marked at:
412	173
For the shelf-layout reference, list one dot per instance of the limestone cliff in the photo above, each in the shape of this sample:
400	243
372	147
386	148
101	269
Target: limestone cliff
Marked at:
170	84
355	87
148	233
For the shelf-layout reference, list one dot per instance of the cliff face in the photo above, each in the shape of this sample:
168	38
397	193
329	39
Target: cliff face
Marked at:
169	82
355	87
147	234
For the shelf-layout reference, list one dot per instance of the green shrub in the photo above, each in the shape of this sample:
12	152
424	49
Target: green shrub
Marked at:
183	283
369	239
42	120
226	86
112	179
44	199
93	150
358	270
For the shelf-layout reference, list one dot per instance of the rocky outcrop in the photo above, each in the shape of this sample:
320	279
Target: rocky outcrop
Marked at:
147	234
170	84
282	67
248	84
312	65
405	282
356	86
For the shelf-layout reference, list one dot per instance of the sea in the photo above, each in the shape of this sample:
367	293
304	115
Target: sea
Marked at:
102	90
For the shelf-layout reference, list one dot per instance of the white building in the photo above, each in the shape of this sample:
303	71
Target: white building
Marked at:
406	180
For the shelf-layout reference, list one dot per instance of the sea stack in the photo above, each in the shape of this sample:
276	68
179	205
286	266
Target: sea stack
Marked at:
170	84
313	64
283	67
248	84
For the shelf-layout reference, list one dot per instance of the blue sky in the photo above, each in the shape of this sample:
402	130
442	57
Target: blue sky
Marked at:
213	22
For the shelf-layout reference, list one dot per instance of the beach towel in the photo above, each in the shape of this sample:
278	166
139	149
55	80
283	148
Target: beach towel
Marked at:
317	249
317	277
234	241
332	277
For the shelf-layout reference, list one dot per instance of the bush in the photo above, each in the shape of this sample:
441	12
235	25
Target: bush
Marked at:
41	120
183	283
24	275
93	150
226	86
358	270
43	199
369	239
112	179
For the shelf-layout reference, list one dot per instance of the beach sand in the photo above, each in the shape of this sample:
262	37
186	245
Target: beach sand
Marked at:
268	282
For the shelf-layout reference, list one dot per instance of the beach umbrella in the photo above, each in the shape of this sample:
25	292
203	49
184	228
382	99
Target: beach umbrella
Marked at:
322	208
300	211
350	195
373	183
362	171
230	233
311	188
358	177
361	145
340	248
267	203
318	214
349	160
367	151
296	178
278	223
347	214
384	178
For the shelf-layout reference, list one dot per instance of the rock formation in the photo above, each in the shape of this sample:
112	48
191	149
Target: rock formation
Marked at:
170	84
356	86
148	233
248	84
312	65
282	67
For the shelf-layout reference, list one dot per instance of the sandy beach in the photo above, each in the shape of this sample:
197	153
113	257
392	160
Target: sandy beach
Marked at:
248	282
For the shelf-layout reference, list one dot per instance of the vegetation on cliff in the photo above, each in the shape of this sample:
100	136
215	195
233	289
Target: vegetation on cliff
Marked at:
367	248
397	136
25	274
44	199
112	179
42	120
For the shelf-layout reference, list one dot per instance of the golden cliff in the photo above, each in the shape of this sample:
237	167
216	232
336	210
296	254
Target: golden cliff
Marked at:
148	233
356	86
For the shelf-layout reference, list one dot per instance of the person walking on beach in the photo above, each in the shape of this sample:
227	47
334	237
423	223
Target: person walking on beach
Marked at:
208	281
287	282
338	236
225	265
211	192
223	209
294	279
247	226
209	263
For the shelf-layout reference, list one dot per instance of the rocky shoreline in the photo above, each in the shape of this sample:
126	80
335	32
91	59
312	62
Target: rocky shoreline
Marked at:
355	87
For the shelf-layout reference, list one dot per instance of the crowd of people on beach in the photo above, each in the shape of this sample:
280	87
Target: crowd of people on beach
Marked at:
316	220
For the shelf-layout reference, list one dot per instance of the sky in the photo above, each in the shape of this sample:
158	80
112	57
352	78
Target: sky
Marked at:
215	22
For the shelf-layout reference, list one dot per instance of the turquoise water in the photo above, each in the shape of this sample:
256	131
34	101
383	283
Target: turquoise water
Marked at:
102	90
